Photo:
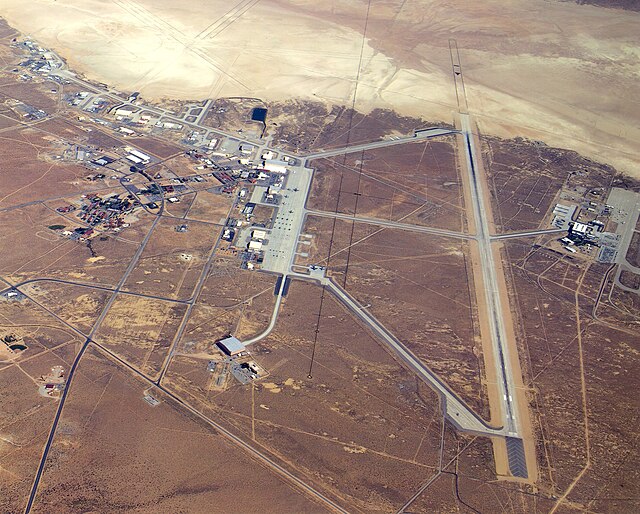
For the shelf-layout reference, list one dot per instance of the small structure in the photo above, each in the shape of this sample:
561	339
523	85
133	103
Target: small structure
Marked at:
228	234
154	402
231	345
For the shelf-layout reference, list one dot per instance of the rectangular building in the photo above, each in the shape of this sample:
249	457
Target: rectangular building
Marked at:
275	166
144	157
231	346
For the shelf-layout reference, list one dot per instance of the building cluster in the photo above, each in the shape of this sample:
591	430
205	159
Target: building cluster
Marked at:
137	157
54	383
105	214
39	60
259	183
237	361
108	213
585	222
27	111
13	343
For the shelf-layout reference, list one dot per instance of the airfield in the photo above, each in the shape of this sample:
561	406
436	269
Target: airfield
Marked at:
420	316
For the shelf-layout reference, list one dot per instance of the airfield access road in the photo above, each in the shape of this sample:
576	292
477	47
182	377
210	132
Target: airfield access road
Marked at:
456	411
274	316
527	233
391	224
283	242
419	135
429	230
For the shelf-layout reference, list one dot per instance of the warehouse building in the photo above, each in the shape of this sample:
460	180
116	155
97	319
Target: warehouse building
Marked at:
231	346
274	166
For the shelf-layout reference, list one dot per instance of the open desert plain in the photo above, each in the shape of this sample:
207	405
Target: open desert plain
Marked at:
307	256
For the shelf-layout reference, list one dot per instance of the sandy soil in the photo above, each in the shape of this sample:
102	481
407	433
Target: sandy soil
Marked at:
535	68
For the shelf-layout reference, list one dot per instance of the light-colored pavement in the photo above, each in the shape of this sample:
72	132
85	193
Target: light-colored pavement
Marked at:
274	315
492	294
287	225
391	224
626	210
456	410
203	113
527	233
283	242
419	135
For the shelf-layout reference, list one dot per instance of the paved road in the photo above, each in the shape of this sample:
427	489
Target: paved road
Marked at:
491	289
162	114
191	302
456	410
527	233
391	224
274	315
94	329
91	286
52	198
254	452
417	136
52	432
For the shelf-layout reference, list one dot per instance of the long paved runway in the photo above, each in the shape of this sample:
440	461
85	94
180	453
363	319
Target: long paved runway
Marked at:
490	279
280	251
504	372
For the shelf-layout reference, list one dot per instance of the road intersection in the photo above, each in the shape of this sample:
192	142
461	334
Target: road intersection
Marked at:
281	251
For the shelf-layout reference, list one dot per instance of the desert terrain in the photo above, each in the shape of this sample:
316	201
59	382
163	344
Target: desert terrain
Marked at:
532	68
156	353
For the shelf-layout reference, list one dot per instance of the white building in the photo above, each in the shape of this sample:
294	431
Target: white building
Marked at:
133	159
274	166
231	346
144	158
123	112
580	228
